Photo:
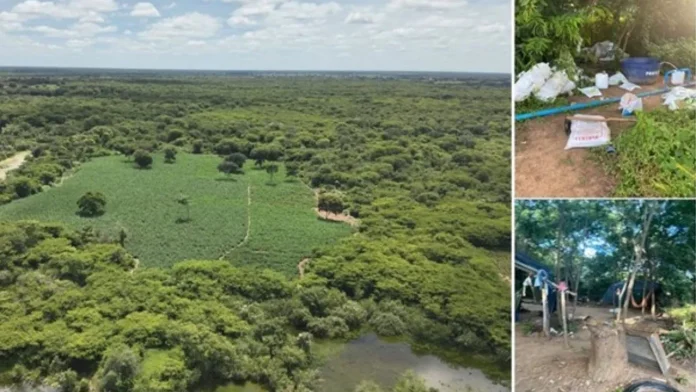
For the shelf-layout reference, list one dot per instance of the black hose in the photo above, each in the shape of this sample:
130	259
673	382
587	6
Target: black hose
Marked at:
657	385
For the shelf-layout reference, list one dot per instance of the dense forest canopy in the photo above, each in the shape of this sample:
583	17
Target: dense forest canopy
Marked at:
423	164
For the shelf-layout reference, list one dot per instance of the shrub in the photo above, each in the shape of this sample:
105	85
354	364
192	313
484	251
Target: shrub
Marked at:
91	204
24	186
142	159
170	155
388	324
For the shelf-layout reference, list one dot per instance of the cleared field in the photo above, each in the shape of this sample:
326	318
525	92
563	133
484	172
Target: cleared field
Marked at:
283	223
143	202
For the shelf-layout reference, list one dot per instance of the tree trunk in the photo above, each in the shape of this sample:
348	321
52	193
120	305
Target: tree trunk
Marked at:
559	251
608	356
576	287
639	249
644	303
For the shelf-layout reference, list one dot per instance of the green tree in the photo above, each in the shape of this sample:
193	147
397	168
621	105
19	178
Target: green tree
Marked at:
228	168
24	186
143	159
118	370
169	155
185	201
292	169
197	147
238	158
91	204
331	202
272	169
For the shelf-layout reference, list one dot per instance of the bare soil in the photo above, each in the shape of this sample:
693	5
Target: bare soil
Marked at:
302	265
544	169
546	365
12	163
336	217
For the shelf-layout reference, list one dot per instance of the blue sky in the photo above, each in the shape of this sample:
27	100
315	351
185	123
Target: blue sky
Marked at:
411	35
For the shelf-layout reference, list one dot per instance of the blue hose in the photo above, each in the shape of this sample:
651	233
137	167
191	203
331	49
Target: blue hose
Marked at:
586	105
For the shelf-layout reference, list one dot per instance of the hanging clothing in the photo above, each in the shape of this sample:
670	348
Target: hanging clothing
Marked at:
540	278
527	282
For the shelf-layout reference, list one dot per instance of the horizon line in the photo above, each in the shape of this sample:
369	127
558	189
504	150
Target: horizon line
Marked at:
247	70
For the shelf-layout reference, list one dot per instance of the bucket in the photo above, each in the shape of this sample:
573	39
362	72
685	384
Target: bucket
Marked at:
641	70
678	78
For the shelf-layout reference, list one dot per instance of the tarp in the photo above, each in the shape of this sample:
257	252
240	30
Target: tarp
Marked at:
525	262
610	297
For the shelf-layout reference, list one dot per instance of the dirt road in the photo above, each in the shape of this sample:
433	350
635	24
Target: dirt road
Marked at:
12	163
544	169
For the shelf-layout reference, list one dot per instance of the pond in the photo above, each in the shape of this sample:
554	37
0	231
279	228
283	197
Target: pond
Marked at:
371	358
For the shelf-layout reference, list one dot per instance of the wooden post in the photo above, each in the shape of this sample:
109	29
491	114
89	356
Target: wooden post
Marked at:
545	311
565	318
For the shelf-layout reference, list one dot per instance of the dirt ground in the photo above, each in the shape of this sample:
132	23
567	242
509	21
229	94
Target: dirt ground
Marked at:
544	169
12	163
546	365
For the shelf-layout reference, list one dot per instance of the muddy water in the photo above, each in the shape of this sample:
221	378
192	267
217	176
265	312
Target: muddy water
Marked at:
370	358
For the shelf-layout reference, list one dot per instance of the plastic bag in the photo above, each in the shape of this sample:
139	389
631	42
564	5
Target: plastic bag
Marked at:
585	134
630	103
617	79
553	87
678	94
531	81
603	51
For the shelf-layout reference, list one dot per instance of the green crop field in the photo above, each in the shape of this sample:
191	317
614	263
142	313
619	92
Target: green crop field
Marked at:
284	228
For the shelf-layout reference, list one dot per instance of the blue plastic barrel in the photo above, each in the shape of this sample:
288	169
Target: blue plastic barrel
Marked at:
641	70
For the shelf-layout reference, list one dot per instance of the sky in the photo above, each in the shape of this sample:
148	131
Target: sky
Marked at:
374	35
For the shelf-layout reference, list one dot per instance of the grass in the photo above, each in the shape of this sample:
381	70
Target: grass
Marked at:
284	228
657	157
283	223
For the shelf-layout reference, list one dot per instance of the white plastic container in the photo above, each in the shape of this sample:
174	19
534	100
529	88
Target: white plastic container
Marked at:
602	80
678	77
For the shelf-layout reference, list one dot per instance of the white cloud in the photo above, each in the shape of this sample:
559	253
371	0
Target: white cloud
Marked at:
78	30
240	21
428	4
256	8
490	28
306	11
359	18
10	21
191	25
170	6
145	10
73	9
78	43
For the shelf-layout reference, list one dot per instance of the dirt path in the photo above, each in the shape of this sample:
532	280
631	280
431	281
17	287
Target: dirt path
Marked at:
544	169
302	265
248	229
12	163
546	365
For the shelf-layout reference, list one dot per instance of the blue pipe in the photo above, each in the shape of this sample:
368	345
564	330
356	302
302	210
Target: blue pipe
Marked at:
586	105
